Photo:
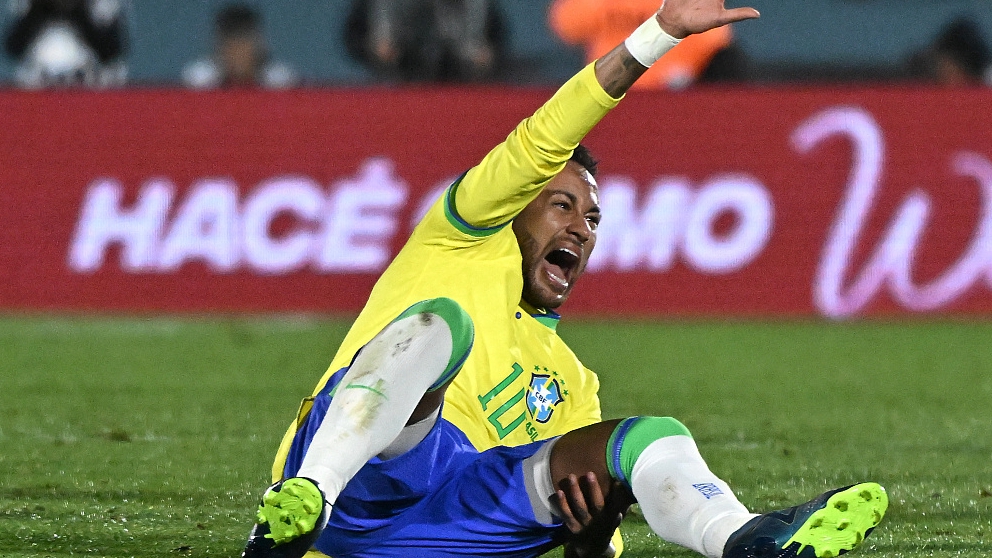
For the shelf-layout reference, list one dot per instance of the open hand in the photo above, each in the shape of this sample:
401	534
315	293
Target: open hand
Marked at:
681	18
591	517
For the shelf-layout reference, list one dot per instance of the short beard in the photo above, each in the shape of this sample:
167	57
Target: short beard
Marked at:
530	295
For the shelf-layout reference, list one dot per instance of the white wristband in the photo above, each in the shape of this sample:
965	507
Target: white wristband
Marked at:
649	42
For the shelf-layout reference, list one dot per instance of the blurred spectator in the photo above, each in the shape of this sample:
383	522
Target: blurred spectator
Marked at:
67	43
729	65
241	55
427	40
958	56
600	25
962	56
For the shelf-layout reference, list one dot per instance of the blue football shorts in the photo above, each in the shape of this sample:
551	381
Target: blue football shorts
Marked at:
441	498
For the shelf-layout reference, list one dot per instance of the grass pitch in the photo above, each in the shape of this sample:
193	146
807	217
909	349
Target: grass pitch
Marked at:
153	437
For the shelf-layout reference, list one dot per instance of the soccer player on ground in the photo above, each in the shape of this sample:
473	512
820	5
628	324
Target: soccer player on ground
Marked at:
518	462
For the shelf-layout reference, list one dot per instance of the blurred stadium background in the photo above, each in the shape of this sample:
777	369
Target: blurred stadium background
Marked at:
846	38
798	266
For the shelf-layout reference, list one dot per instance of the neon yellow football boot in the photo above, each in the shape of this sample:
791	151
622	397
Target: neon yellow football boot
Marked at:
290	518
829	525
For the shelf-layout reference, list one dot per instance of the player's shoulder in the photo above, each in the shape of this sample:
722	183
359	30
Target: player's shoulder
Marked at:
442	223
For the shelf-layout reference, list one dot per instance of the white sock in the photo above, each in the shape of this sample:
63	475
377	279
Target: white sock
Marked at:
375	399
682	500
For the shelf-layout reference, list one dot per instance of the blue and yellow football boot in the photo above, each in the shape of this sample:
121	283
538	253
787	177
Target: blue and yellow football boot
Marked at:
290	518
827	526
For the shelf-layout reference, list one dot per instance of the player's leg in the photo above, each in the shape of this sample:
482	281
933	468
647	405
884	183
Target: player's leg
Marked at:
681	499
397	379
394	380
685	503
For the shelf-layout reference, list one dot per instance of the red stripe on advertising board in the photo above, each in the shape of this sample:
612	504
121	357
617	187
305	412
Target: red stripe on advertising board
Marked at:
757	202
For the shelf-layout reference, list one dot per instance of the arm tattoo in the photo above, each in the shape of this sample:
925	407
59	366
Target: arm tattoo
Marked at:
618	70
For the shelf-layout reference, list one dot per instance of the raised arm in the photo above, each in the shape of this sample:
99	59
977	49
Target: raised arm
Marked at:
512	174
675	20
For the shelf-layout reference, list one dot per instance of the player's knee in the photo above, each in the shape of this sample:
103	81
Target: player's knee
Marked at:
460	326
632	436
445	308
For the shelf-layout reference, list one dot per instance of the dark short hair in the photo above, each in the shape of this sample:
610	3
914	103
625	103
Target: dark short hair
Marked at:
962	40
584	157
237	19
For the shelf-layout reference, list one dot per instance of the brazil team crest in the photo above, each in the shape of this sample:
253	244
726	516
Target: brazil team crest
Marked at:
542	396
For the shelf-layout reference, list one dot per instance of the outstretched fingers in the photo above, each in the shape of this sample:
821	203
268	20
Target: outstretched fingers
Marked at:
681	18
734	15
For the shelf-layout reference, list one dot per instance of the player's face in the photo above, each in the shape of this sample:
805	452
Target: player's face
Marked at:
556	233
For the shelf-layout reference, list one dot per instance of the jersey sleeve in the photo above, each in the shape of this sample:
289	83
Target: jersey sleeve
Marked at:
491	194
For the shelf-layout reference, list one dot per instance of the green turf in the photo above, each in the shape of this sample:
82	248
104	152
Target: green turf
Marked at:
153	437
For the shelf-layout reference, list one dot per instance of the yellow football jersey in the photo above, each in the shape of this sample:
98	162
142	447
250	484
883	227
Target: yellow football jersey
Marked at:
520	382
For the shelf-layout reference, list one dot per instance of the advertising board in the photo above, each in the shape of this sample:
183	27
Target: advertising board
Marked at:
757	202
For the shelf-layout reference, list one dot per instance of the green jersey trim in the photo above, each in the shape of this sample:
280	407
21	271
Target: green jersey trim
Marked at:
451	213
547	318
551	322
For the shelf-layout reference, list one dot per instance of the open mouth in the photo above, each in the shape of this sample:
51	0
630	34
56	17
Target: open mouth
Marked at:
561	264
